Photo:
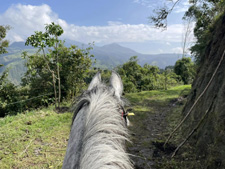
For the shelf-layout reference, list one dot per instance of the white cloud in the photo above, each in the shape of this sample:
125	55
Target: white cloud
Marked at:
167	43
112	23
123	33
136	1
161	51
148	3
182	7
25	19
177	50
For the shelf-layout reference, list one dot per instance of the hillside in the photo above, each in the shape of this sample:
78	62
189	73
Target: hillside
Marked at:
13	61
209	139
113	54
38	139
107	56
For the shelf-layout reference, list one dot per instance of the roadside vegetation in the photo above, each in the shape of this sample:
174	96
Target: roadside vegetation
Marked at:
56	73
38	138
35	124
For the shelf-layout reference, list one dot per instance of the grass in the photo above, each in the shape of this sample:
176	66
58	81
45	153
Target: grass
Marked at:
38	139
35	139
158	95
148	101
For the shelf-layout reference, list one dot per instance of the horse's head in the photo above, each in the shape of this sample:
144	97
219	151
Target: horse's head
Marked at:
115	89
115	84
99	129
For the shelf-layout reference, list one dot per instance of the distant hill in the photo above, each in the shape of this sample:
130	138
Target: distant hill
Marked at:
107	56
13	61
113	54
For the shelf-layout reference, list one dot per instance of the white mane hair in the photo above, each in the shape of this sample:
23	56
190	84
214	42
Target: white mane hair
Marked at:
98	133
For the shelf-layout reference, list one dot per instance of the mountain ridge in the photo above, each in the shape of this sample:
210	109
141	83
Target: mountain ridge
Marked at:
107	56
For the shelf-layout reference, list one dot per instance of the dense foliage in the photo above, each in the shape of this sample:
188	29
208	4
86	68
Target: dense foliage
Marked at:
49	39
185	68
8	91
56	72
74	65
51	64
8	94
204	14
136	78
3	42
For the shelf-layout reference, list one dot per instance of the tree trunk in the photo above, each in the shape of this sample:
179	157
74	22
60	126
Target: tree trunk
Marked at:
53	80
53	76
58	73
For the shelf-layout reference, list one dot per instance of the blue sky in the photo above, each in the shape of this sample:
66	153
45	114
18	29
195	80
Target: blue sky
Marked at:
103	21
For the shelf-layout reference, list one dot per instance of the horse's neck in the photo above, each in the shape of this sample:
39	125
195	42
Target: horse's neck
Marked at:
97	136
74	147
105	135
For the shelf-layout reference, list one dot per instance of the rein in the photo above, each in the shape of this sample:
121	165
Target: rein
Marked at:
124	114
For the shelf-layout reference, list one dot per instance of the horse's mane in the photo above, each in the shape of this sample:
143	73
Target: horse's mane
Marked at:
104	132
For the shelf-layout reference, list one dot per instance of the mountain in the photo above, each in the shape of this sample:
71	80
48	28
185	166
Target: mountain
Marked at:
107	56
13	61
113	54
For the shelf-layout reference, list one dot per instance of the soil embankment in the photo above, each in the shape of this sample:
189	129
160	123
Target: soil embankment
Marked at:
209	140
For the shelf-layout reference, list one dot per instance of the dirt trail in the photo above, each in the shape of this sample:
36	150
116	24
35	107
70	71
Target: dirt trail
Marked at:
148	130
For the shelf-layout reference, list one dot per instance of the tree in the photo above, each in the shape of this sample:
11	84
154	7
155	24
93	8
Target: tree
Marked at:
203	12
49	39
150	76
137	78
188	27
74	65
38	81
160	19
9	95
131	71
3	43
185	69
169	77
8	90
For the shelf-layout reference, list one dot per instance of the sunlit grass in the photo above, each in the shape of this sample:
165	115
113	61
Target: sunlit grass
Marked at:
157	95
35	139
150	102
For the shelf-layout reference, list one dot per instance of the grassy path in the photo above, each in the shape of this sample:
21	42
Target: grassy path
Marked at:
38	139
156	113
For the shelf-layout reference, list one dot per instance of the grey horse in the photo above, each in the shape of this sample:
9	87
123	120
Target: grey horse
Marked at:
98	132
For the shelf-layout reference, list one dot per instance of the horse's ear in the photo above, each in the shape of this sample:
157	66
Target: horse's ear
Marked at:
95	81
116	83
